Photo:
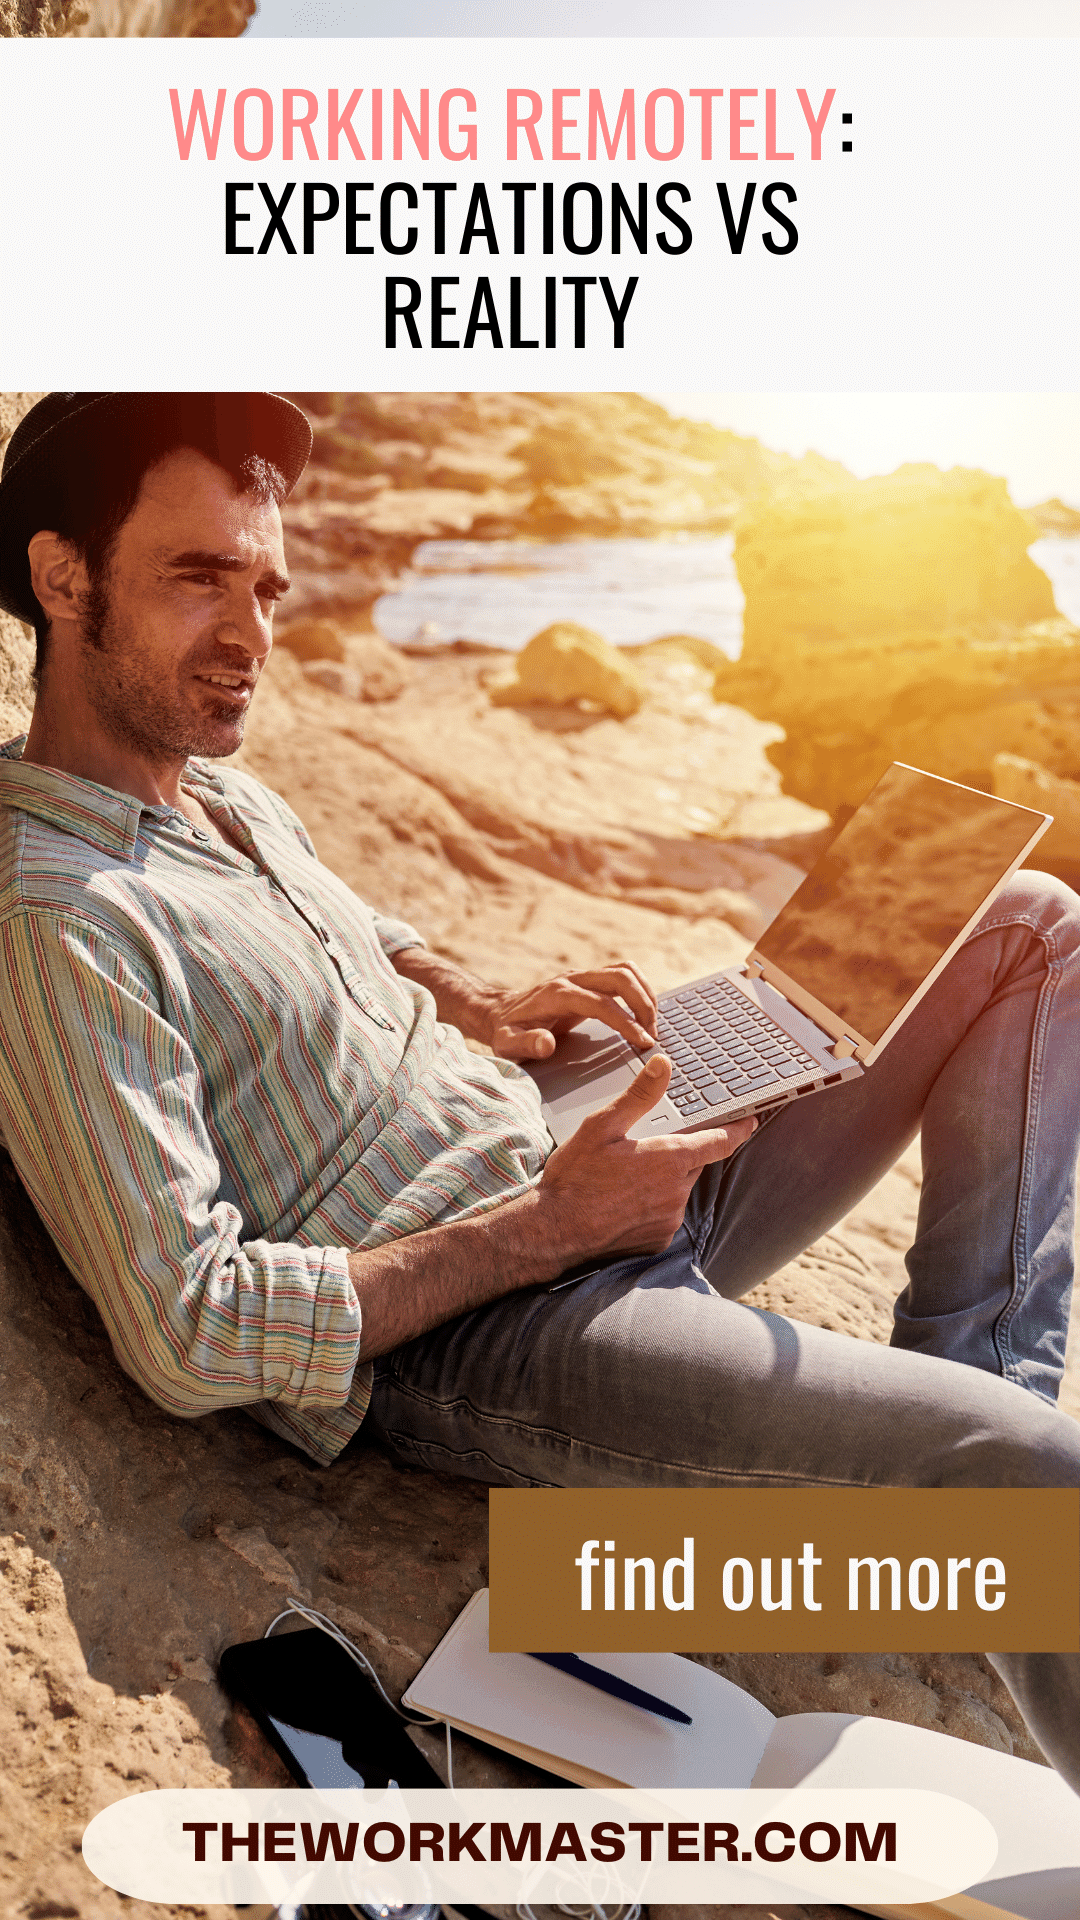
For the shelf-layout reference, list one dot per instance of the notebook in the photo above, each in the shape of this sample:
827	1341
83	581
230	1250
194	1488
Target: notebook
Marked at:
568	1728
831	980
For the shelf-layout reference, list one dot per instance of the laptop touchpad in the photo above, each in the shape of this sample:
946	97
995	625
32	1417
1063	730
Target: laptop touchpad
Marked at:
589	1066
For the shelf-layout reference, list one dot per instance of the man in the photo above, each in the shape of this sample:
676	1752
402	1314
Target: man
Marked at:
243	1106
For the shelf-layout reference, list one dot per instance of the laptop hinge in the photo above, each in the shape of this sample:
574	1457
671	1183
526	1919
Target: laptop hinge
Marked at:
845	1045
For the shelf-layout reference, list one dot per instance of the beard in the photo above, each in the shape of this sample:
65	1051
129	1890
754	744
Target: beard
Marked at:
138	709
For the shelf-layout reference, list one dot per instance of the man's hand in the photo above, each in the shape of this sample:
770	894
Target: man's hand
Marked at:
599	1194
527	1025
607	1194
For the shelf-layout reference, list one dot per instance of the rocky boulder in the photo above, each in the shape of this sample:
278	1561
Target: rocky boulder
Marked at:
916	551
369	669
566	665
311	639
901	618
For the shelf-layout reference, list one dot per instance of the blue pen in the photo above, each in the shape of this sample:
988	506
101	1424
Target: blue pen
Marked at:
579	1669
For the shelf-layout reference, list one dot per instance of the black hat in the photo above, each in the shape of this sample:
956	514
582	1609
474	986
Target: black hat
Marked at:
67	430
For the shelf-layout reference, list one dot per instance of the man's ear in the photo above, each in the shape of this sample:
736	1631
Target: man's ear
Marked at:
58	576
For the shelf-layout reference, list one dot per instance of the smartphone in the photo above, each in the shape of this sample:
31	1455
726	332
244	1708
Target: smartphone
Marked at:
321	1714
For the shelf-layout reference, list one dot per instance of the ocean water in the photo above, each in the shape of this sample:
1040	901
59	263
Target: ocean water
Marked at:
1060	559
501	592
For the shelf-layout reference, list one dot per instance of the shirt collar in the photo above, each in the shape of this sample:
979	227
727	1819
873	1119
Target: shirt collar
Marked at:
99	815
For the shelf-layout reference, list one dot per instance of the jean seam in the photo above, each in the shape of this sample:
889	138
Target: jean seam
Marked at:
1021	1230
569	1443
1008	1367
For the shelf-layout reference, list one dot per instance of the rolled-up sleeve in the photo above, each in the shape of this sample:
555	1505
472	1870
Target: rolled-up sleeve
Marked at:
102	1113
395	935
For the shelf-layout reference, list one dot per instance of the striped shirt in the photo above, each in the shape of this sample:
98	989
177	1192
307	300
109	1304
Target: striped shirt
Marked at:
213	1085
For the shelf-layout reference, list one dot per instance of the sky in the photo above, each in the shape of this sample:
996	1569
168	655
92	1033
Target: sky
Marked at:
1031	438
793	19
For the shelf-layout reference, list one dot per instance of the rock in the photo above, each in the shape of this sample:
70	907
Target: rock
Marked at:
144	19
16	640
901	619
12	408
384	670
374	671
1054	517
16	665
335	677
566	664
1033	786
918	551
312	640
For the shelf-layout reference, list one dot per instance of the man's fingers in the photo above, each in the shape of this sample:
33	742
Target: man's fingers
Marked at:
645	1089
628	984
616	995
583	1001
651	997
695	1150
523	1043
714	1143
563	1005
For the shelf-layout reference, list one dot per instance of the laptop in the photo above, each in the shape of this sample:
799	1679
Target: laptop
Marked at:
831	980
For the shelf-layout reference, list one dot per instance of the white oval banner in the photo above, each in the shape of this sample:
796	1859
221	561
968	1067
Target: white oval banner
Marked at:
886	1846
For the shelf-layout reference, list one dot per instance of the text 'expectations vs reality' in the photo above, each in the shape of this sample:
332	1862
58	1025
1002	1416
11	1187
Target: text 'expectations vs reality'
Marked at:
419	312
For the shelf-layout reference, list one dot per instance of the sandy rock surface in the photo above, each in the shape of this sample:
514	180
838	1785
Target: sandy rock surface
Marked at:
16	664
665	835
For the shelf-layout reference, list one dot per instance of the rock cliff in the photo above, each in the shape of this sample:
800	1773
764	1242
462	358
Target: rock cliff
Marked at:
389	470
16	641
119	19
902	618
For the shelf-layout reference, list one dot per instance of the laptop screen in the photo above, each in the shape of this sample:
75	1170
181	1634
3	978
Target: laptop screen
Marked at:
898	884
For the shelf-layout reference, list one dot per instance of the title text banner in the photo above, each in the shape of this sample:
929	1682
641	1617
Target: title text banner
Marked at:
759	214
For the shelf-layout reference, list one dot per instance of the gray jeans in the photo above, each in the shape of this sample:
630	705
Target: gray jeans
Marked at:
649	1371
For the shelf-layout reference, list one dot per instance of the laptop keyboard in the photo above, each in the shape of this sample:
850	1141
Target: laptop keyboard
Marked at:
722	1046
